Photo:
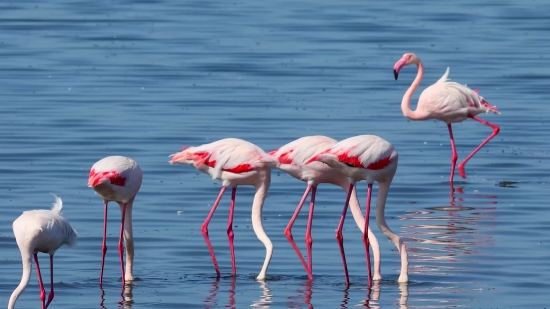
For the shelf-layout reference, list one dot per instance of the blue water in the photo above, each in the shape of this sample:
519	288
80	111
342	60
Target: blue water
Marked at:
81	80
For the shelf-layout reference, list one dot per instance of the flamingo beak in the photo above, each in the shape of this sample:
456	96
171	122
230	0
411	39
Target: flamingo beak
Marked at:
398	66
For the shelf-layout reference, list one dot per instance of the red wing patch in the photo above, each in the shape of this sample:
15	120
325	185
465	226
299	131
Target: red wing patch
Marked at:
204	158
283	158
243	168
380	164
114	177
354	162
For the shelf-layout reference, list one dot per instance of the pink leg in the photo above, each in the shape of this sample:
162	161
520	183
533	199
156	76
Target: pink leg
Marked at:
42	291
230	234
496	129
204	230
50	297
120	246
455	155
309	240
288	231
104	245
365	232
339	235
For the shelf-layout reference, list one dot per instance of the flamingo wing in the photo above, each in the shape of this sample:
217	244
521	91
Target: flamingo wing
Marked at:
302	149
229	155
363	151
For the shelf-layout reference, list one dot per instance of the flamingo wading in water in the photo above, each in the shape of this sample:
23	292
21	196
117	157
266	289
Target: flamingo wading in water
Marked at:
40	231
291	159
370	158
234	162
446	101
118	179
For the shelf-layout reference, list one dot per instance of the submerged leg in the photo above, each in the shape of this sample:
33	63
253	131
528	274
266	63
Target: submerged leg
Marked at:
230	234
204	230
365	232
454	155
50	297
120	246
309	240
104	244
496	129
42	291
339	235
288	231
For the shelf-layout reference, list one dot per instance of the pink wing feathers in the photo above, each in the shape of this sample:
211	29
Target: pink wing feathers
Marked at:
363	151
448	93
98	177
229	155
302	149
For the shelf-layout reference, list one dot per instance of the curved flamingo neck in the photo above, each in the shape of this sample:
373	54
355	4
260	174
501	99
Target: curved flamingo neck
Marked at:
26	258
257	208
406	102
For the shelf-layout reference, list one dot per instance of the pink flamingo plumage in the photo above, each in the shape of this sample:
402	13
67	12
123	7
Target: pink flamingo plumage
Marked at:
118	179
291	158
234	162
40	231
370	158
447	101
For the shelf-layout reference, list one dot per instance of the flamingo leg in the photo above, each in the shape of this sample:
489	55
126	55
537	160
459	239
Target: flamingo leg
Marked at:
455	155
42	290
496	129
120	246
230	234
52	294
365	232
309	240
104	244
204	230
339	235
288	231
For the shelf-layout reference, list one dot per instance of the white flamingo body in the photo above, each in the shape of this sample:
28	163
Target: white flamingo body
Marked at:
451	102
234	162
369	158
292	159
118	179
40	231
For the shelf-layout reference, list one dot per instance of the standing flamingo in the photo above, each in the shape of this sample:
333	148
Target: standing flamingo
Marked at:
290	158
234	162
40	231
446	101
370	158
118	179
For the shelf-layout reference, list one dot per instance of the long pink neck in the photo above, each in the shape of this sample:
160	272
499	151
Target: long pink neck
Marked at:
406	102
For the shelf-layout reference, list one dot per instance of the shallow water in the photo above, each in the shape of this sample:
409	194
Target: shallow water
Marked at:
84	80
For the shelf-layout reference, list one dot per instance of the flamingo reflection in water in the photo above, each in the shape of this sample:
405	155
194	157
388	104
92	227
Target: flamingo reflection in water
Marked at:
459	236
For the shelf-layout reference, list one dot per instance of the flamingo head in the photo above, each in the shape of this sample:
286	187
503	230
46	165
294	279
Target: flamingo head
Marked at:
407	59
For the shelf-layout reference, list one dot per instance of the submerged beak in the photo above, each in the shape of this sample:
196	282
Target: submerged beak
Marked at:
397	67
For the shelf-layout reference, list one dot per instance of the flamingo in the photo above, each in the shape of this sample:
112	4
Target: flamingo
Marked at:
370	158
118	179
234	162
447	101
40	231
290	158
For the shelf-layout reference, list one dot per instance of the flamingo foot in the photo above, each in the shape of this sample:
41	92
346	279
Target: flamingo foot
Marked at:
461	170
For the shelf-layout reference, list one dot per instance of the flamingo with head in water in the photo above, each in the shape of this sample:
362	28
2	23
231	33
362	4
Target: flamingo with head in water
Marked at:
118	179
40	231
369	158
447	101
234	162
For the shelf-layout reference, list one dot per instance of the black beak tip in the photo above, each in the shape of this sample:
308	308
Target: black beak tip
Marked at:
395	74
